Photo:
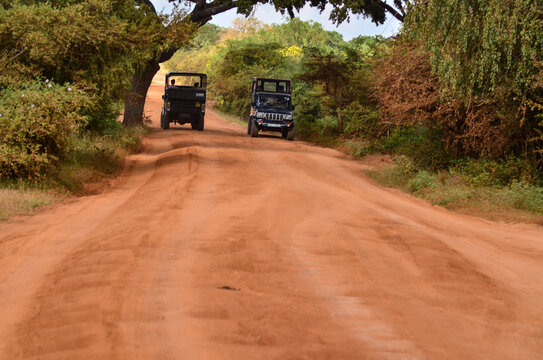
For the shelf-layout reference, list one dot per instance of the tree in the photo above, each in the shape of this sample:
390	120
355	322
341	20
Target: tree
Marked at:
488	55
331	72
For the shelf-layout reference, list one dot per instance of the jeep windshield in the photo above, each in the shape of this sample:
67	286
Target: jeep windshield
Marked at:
272	101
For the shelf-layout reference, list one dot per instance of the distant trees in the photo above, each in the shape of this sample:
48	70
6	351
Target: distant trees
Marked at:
203	11
332	73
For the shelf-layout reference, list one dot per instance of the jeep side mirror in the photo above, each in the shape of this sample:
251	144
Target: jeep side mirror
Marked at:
163	97
293	107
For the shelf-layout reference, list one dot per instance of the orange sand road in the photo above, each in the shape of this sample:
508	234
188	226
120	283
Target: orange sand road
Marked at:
316	261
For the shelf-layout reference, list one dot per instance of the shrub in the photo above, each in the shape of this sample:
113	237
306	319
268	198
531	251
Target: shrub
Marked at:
527	197
361	121
410	94
422	180
35	126
327	125
484	172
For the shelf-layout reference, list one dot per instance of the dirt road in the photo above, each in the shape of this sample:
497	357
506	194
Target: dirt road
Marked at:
215	245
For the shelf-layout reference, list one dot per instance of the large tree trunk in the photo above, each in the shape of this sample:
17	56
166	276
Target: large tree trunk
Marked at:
135	100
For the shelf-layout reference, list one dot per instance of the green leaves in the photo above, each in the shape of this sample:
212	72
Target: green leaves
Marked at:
480	46
35	124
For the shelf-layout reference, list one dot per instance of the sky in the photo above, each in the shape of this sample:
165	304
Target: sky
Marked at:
268	15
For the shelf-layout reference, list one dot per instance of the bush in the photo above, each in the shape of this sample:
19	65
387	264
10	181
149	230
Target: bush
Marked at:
36	123
421	181
421	144
411	94
483	172
361	121
527	197
327	125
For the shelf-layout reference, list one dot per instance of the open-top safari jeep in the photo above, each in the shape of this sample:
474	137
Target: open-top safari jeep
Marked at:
184	100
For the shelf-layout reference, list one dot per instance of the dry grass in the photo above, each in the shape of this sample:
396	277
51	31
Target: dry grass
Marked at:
514	203
92	161
25	201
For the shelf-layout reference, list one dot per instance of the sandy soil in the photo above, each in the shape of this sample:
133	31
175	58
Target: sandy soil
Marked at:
215	245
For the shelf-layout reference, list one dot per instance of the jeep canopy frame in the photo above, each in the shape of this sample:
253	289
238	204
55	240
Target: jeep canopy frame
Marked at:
186	80
261	85
184	100
271	85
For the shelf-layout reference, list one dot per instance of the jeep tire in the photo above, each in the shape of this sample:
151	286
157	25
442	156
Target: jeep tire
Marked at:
290	134
284	133
166	124
254	130
201	122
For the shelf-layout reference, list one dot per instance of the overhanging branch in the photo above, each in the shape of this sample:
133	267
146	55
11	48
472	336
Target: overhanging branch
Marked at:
203	13
392	11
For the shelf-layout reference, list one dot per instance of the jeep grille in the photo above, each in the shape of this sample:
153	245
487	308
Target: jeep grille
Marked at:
274	117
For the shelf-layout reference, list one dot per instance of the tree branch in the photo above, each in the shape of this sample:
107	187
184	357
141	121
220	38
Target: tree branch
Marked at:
391	10
291	12
399	5
202	15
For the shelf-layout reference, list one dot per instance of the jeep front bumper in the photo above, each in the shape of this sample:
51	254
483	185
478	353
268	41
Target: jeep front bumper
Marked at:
266	125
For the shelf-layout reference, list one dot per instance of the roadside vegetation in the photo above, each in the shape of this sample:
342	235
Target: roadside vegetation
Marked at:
65	69
460	113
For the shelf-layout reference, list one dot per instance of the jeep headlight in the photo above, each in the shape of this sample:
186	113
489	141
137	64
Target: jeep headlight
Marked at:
167	106
259	114
288	117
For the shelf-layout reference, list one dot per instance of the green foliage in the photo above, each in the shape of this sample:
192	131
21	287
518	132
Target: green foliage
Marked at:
526	197
36	124
195	57
489	59
422	180
95	44
241	62
480	46
459	192
361	120
73	61
341	10
420	144
502	172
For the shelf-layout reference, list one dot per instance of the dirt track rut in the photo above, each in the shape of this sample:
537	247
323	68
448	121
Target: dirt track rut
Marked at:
214	245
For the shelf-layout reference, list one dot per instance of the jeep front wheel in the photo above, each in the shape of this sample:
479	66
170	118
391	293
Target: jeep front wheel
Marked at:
290	134
284	133
254	130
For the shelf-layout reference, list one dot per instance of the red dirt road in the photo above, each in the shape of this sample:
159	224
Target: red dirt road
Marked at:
215	245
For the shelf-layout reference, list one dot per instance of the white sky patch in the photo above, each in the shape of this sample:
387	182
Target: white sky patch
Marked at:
267	14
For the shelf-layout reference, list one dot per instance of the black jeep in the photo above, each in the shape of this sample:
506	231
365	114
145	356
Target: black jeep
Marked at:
271	108
184	100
